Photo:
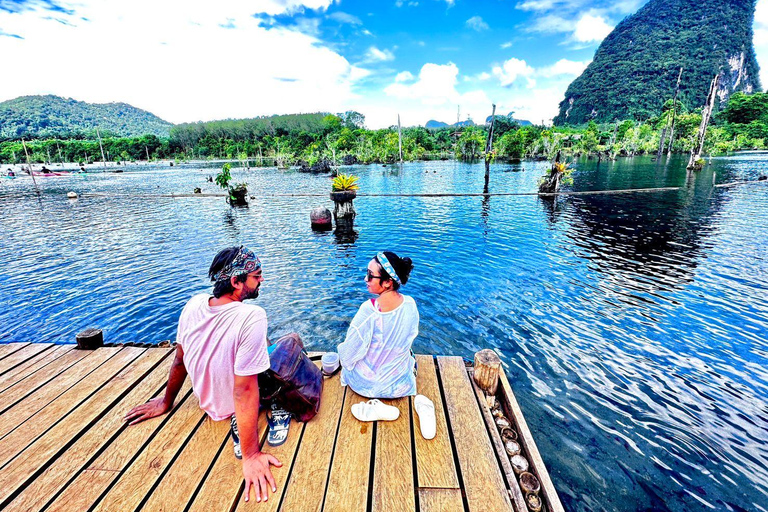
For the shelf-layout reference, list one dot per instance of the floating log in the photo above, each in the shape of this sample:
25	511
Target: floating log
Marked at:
487	365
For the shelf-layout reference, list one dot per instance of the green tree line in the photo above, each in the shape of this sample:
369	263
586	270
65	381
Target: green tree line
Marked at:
287	140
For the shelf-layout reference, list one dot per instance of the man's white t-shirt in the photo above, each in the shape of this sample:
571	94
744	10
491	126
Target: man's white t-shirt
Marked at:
220	342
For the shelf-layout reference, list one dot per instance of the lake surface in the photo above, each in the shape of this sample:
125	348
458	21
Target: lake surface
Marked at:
634	327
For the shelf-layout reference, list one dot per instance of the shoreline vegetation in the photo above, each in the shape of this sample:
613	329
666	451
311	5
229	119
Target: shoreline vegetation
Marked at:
315	142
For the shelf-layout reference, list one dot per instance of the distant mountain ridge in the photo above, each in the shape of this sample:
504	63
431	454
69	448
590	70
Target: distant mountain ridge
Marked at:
49	116
439	124
635	69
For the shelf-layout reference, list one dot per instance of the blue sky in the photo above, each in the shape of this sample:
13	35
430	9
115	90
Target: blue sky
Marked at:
423	59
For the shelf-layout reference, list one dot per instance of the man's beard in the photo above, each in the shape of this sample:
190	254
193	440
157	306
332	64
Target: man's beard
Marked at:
252	294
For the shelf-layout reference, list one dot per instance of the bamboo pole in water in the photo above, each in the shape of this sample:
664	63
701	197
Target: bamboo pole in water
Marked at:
29	166
399	139
103	158
674	114
488	145
706	114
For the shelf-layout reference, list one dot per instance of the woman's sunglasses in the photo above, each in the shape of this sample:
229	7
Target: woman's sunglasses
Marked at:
369	275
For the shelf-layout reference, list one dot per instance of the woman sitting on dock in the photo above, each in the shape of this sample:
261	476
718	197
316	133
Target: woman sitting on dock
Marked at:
376	357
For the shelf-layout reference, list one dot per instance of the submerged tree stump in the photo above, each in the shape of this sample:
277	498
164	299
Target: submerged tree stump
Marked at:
344	211
487	367
320	219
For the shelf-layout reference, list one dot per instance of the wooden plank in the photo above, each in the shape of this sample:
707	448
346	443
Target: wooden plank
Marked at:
350	470
7	349
184	476
53	479
393	473
434	458
518	500
440	500
529	446
91	483
27	430
223	487
39	454
483	484
285	453
21	401
30	366
21	355
142	474
306	487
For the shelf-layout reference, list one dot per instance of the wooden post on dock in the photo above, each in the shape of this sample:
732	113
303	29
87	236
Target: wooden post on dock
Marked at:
706	114
487	367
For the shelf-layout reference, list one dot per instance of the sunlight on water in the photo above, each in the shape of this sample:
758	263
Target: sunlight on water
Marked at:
633	327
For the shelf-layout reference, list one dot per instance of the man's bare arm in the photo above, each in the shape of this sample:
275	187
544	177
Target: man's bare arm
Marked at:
256	463
161	405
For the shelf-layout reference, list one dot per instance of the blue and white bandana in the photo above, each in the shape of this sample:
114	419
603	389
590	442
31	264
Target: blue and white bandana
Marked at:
387	266
245	262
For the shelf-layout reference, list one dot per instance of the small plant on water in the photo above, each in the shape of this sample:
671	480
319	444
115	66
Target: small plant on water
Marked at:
237	191
344	182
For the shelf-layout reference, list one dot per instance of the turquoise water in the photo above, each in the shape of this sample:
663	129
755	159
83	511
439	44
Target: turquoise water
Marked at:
633	327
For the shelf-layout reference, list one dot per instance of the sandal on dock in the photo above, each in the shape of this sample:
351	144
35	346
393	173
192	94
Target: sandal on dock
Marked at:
375	410
279	422
426	411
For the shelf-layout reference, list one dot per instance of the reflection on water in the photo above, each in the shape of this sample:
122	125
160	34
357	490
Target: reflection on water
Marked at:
633	327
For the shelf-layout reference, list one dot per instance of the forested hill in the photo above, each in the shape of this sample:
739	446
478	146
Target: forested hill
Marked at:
49	116
635	69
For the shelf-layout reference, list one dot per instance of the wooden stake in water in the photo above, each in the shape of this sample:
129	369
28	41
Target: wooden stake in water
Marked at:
399	139
103	158
488	145
29	166
674	114
706	114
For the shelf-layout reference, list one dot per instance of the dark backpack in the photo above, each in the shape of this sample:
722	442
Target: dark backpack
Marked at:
292	381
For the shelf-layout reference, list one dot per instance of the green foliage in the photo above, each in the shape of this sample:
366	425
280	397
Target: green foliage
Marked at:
52	116
635	69
344	182
224	176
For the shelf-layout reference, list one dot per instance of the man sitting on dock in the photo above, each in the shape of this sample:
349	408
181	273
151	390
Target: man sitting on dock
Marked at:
222	344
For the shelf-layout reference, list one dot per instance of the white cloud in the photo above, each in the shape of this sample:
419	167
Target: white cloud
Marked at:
563	67
506	45
405	76
483	76
376	55
477	23
297	74
343	17
591	29
511	70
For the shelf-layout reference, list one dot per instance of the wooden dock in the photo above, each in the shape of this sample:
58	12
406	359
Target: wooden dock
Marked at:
64	445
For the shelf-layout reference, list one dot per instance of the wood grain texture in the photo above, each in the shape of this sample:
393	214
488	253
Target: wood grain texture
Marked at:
440	500
223	486
548	491
30	366
306	486
350	468
21	355
142	474
7	349
483	484
54	478
518	500
176	488
48	446
28	429
434	457
37	390
393	470
90	483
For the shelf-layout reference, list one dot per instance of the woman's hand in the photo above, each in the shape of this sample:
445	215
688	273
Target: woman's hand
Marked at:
151	409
